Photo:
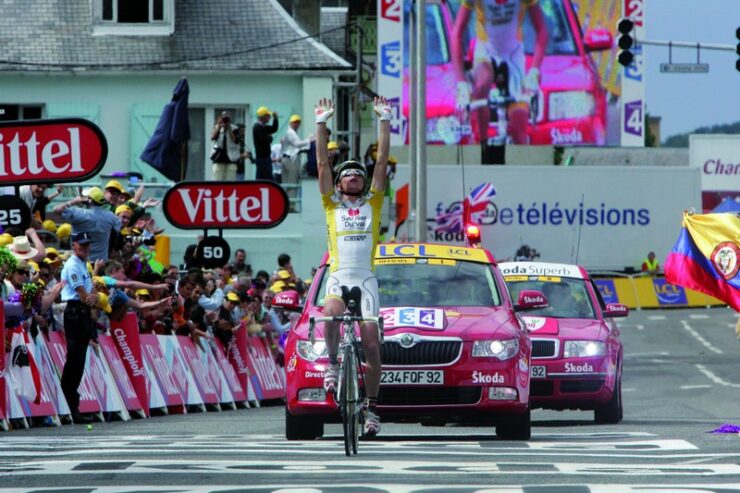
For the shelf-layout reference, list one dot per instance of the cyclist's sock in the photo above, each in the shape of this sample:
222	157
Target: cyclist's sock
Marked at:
371	403
333	359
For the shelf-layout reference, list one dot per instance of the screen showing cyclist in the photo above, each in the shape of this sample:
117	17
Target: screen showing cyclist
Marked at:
352	205
499	60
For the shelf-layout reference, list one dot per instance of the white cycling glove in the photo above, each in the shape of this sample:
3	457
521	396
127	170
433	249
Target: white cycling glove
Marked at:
462	94
532	80
323	112
384	111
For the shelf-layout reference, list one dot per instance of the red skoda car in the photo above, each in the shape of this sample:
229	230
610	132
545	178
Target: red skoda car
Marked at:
454	348
576	351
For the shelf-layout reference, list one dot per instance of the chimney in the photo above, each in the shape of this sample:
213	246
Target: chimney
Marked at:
307	13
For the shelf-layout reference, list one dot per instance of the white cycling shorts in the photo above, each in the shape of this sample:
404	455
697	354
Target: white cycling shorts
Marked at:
516	63
364	279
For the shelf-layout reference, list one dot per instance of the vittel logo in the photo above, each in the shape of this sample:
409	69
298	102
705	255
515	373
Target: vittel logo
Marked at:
479	377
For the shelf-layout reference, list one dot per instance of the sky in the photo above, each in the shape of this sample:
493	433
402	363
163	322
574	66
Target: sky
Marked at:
687	101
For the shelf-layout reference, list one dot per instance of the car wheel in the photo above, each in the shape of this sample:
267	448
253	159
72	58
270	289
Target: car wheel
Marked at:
611	412
302	427
519	428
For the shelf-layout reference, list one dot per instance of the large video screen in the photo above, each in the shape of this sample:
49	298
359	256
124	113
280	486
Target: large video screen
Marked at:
575	100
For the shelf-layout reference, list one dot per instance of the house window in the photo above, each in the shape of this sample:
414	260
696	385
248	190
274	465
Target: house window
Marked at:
10	112
128	17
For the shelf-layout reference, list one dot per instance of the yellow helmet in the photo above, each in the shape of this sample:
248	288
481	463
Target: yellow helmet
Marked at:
64	231
5	239
50	225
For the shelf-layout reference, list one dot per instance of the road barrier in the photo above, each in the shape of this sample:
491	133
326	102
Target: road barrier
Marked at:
642	291
133	374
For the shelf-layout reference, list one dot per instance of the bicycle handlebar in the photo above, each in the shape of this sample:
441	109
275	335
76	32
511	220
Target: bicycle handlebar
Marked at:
343	318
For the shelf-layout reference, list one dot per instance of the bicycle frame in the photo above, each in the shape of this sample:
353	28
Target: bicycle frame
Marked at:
350	396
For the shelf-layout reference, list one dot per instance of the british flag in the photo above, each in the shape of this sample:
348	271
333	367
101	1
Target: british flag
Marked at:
457	215
477	202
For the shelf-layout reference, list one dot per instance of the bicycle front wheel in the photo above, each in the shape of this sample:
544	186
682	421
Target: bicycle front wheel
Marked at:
349	400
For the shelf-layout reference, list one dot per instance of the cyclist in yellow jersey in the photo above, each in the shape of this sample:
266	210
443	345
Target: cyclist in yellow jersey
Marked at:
353	227
499	43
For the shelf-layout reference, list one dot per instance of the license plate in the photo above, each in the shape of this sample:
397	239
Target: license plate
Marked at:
412	377
539	372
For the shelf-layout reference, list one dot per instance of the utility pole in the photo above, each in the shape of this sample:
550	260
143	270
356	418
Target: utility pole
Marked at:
421	122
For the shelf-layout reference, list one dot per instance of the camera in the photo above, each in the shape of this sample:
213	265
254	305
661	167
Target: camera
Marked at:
140	240
534	253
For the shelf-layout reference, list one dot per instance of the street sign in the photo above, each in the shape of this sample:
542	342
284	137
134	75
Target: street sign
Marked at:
684	68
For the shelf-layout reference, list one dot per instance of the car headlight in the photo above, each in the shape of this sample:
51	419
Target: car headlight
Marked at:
570	104
584	349
501	349
311	352
445	129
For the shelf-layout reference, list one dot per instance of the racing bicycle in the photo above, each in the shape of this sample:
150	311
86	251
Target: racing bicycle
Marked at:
350	394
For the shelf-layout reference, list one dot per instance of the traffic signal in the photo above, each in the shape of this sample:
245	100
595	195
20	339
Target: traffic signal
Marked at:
626	41
737	49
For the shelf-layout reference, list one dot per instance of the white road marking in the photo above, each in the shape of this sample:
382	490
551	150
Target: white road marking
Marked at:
714	378
698	316
700	338
643	355
656	317
691	387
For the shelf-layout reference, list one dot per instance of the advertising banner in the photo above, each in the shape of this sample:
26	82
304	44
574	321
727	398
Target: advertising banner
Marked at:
162	373
180	371
119	373
50	376
105	385
22	387
89	402
3	401
217	377
264	370
200	372
238	355
718	158
636	209
237	390
391	73
126	338
633	81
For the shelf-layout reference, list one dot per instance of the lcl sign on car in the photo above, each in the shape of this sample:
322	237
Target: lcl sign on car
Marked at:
50	151
226	205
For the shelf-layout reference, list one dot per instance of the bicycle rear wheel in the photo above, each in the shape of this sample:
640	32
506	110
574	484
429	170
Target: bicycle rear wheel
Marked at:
348	400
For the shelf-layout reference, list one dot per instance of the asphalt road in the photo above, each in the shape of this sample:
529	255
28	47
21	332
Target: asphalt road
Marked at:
681	380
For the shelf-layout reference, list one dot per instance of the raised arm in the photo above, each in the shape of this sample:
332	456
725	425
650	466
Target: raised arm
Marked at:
384	111
323	111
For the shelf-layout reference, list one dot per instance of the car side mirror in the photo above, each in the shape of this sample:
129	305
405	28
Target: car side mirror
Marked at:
598	40
530	299
287	300
616	310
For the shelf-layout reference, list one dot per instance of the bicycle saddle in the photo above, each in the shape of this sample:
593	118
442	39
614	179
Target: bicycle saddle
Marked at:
351	298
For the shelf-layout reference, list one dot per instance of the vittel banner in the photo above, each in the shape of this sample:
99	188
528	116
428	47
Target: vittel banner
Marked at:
50	151
243	205
718	158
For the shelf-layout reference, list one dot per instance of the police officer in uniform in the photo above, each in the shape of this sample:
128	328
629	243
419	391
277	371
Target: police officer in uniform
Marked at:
79	328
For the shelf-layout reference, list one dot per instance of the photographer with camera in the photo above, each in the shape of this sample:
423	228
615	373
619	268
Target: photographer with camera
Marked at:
526	253
96	220
225	152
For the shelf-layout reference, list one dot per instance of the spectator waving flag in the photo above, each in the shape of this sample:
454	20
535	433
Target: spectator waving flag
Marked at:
166	149
706	256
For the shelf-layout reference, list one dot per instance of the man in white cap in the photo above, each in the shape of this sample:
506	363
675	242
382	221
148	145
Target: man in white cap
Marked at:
292	145
262	138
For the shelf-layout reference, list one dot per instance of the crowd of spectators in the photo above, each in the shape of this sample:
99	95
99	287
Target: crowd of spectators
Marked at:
110	237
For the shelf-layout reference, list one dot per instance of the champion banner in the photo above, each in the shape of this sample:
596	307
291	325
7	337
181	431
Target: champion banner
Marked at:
706	256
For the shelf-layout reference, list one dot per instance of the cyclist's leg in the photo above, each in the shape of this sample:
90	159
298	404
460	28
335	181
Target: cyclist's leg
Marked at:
333	306
482	82
518	113
371	349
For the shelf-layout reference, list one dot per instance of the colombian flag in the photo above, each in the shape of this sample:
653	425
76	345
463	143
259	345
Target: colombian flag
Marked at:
706	256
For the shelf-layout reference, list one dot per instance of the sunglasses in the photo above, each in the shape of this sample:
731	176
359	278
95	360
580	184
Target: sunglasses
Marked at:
21	272
352	172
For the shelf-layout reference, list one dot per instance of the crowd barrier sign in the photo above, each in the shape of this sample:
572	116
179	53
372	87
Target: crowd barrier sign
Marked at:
130	373
640	291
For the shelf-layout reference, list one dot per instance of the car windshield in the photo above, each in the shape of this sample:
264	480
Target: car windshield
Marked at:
567	298
446	283
436	42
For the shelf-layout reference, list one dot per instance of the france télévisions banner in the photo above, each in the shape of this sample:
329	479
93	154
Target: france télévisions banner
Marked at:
633	81
390	62
50	151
